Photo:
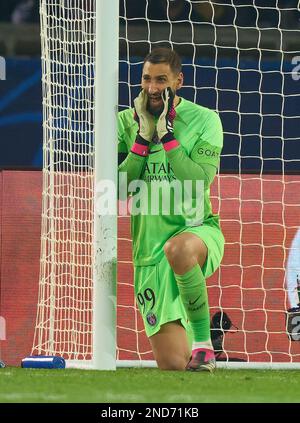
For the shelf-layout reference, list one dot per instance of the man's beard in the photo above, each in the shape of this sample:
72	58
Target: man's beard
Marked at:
155	111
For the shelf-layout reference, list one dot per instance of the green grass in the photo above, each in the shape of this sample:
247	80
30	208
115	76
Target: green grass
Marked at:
148	385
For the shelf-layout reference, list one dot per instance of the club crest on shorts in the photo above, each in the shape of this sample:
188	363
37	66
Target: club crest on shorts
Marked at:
151	318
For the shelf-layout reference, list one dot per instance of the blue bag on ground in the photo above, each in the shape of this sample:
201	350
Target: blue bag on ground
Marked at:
43	362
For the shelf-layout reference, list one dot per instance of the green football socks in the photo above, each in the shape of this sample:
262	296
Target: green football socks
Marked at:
193	292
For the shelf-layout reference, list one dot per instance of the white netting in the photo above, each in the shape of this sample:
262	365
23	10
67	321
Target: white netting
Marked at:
65	296
240	58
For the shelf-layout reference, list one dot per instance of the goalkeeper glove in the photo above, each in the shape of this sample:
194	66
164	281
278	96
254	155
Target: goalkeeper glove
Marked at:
144	119
165	122
146	125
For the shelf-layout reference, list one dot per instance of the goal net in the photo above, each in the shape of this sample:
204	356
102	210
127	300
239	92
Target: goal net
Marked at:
241	59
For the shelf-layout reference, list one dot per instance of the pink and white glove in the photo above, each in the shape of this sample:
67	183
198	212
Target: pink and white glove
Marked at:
164	126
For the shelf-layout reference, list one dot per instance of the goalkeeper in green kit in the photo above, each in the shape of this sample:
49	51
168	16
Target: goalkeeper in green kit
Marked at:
167	139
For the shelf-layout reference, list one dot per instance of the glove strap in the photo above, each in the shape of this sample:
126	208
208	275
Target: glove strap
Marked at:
140	147
169	142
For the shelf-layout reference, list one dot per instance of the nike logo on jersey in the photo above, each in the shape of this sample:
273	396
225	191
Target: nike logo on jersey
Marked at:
156	151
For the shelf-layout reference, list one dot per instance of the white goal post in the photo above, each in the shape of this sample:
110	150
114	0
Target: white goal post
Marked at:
241	59
77	297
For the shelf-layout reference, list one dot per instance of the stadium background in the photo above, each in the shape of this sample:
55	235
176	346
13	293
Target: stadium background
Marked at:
256	197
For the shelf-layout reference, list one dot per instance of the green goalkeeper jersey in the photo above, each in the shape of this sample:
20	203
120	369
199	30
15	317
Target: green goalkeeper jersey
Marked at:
199	132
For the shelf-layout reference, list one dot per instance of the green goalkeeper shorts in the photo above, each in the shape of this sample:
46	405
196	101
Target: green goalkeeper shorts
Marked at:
156	289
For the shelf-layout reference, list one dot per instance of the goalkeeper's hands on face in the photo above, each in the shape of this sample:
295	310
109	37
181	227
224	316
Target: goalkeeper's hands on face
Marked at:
144	119
166	119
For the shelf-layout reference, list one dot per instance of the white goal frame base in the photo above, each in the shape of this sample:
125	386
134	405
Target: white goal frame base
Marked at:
232	365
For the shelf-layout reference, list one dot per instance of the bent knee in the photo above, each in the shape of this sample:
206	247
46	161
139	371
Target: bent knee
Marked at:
174	249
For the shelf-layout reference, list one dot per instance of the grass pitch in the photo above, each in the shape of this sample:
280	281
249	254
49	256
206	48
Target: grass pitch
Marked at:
148	386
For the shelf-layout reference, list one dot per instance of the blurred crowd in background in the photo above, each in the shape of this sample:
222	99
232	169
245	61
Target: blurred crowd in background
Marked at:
252	13
261	13
19	11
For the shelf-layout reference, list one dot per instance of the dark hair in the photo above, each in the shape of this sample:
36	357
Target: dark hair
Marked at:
165	55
